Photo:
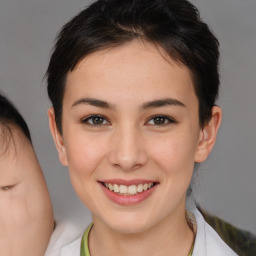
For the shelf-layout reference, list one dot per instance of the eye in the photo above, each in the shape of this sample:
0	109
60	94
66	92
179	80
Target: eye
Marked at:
95	120
5	188
160	120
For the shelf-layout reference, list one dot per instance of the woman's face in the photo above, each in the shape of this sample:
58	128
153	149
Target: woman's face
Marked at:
130	124
26	217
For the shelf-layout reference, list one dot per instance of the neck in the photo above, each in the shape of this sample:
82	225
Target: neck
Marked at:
172	236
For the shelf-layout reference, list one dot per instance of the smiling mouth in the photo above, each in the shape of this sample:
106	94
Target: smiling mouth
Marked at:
131	190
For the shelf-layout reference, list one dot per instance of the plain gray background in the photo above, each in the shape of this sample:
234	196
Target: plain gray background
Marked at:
227	181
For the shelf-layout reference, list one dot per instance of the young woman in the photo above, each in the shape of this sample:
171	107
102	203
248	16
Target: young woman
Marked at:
26	217
133	86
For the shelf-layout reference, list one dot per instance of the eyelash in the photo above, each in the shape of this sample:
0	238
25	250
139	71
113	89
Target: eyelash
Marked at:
93	117
106	122
166	118
6	188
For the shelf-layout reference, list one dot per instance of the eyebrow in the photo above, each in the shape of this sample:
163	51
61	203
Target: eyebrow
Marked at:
92	102
162	102
150	104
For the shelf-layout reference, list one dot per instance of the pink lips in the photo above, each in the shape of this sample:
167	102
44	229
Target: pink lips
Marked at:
130	199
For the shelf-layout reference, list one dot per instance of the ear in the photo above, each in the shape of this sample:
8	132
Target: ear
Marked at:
208	135
57	137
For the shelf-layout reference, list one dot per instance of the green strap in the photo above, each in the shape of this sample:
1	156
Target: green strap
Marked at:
191	251
85	248
84	243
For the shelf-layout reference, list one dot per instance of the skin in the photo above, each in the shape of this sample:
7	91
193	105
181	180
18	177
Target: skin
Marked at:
26	216
130	144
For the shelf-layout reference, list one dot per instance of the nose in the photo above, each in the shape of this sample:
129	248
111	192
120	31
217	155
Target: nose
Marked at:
127	149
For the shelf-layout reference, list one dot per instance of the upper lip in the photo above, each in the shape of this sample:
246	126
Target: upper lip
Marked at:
128	182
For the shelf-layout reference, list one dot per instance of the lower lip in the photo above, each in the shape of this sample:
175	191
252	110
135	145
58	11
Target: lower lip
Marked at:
128	200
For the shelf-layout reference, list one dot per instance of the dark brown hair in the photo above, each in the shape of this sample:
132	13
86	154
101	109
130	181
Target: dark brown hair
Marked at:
10	115
174	25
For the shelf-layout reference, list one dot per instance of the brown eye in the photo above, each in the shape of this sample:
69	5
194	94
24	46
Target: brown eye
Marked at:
160	120
96	120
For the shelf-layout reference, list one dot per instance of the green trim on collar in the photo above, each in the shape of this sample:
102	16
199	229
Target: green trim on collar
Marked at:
85	243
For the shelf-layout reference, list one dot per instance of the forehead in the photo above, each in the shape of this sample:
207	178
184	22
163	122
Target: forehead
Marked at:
129	70
6	139
17	162
13	144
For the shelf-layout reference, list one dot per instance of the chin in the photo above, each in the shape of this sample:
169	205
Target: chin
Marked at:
129	223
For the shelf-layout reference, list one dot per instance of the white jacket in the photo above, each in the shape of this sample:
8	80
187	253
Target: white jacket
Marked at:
208	242
66	241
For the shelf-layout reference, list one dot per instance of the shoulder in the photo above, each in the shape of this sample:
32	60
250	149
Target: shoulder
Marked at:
208	242
72	248
65	241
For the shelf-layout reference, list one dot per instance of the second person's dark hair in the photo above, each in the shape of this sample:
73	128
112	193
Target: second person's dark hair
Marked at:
10	115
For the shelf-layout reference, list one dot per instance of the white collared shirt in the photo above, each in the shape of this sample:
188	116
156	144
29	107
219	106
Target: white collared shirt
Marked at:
208	242
66	240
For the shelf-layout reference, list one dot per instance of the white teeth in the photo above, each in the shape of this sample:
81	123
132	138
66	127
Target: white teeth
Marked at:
123	189
132	190
145	186
128	190
140	188
116	188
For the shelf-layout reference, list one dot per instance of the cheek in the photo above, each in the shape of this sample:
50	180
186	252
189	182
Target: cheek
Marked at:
14	211
175	155
84	155
175	149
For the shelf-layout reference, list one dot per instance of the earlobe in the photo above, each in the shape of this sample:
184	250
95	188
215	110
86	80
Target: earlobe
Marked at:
208	134
57	137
